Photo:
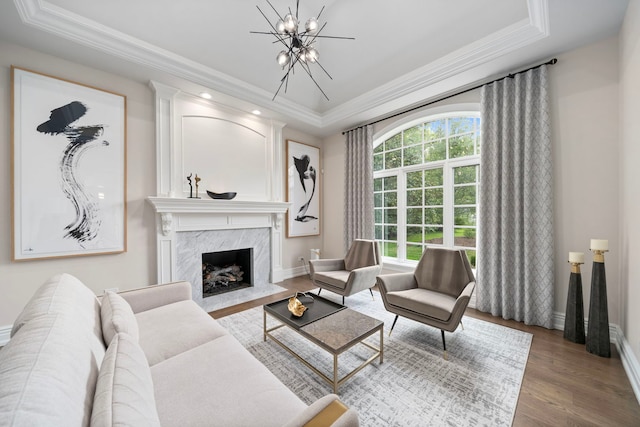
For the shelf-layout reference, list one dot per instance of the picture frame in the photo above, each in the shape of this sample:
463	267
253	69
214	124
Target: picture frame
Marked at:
68	168
303	189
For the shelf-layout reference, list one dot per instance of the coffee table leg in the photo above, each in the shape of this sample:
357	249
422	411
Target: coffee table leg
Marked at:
381	345
264	325
335	373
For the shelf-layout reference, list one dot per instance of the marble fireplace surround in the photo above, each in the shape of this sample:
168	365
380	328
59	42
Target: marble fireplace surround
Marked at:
189	134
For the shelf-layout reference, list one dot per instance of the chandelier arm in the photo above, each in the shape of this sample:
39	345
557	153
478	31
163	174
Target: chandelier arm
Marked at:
323	69
274	9
305	68
282	80
297	8
334	37
320	13
267	19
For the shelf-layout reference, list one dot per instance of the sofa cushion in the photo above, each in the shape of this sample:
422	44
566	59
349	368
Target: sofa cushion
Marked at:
221	384
124	391
174	328
117	316
62	293
333	278
430	303
48	372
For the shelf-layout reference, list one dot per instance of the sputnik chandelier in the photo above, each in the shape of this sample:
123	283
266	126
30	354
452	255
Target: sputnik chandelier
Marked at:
298	44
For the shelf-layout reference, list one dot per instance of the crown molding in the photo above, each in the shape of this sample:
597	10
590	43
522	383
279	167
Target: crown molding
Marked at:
45	16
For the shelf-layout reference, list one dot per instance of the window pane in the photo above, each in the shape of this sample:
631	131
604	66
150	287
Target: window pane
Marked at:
378	162
377	184
391	216
390	199
459	125
378	216
433	235
461	146
413	155
464	175
434	130
392	159
464	216
433	216
378	233
414	197
414	179
465	237
412	136
393	142
464	195
390	232
433	196
414	216
379	148
433	177
377	200
436	150
414	252
390	183
390	249
472	258
414	234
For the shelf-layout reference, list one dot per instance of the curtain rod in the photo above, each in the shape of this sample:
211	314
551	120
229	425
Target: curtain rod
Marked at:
511	75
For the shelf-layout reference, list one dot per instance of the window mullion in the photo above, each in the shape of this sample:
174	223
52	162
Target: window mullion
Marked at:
448	206
402	215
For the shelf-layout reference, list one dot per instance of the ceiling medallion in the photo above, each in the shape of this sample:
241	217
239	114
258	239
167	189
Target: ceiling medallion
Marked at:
298	44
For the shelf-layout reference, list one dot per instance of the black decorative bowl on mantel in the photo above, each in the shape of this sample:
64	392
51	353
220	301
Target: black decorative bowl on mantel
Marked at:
221	196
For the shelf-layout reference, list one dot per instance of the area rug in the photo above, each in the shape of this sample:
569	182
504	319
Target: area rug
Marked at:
414	386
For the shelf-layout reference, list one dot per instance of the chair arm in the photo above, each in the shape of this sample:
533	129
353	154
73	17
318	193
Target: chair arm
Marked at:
325	265
326	411
396	282
361	278
461	304
143	299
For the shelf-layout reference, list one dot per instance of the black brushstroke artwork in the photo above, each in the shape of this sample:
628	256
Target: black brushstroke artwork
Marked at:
87	223
305	171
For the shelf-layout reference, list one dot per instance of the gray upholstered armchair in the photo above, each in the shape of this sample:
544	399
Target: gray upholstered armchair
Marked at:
436	293
355	273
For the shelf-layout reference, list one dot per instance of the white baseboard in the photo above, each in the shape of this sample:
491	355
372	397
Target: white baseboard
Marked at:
5	333
292	272
629	360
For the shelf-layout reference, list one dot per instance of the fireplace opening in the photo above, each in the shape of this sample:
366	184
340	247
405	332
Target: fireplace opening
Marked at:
226	271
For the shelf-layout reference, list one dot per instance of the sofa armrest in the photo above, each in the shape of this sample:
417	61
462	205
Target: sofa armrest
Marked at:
327	411
143	299
461	304
396	282
325	265
362	278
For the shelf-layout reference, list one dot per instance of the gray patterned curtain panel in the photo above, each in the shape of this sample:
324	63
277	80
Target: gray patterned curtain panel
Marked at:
515	276
358	204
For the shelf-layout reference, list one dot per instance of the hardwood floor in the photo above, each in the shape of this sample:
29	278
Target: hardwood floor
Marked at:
563	384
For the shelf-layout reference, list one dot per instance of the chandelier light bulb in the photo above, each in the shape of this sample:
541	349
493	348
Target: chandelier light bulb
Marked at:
280	26
290	23
283	58
312	25
311	55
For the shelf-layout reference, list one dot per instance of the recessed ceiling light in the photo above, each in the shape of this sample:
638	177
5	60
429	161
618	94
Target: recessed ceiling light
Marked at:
205	95
256	112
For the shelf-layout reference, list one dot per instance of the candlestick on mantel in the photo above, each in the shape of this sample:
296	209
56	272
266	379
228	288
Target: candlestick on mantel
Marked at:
574	314
598	341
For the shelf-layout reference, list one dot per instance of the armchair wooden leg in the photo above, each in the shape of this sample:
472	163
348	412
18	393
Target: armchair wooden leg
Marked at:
461	325
319	290
394	324
370	290
343	300
444	345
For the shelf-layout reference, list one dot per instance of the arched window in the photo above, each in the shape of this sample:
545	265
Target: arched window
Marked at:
426	185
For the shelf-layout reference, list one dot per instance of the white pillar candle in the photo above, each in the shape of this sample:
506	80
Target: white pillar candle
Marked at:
599	245
576	257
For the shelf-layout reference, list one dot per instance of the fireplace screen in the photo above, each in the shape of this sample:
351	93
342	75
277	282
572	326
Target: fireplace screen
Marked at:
226	271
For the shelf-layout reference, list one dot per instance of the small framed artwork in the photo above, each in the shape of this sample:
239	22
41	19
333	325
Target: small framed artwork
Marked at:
69	168
303	189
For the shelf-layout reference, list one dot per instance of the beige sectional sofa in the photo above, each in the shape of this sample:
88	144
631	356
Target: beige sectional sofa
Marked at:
149	356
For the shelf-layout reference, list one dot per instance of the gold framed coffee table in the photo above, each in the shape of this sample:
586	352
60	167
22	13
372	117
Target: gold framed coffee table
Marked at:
331	326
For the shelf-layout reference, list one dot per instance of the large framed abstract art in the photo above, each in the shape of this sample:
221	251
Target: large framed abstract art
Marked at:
69	168
303	189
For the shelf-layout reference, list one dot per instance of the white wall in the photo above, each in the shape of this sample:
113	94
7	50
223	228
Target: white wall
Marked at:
630	177
584	99
136	267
